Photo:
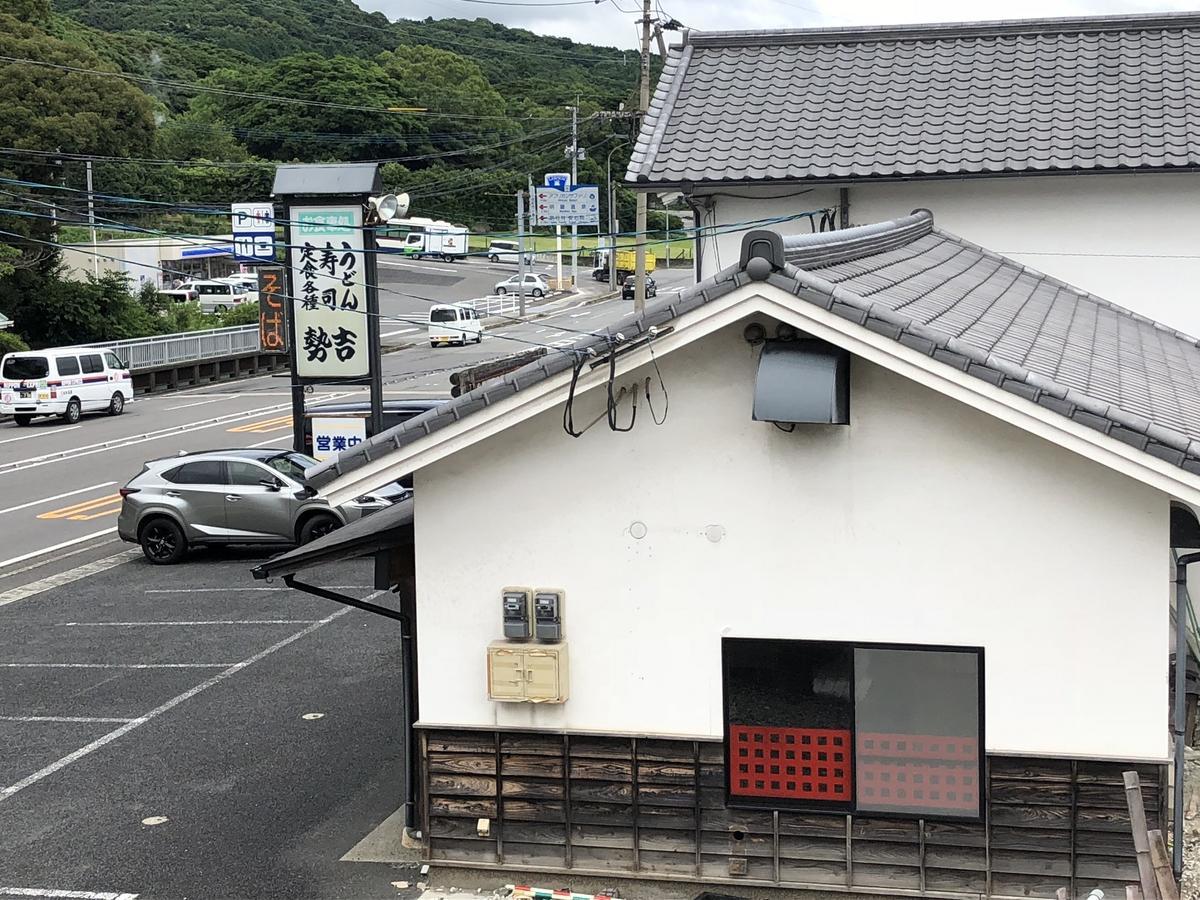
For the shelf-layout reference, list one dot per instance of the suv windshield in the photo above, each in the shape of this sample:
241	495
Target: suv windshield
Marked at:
291	464
22	368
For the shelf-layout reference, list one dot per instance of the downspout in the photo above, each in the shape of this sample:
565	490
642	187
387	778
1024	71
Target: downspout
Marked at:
698	225
844	207
1179	725
406	679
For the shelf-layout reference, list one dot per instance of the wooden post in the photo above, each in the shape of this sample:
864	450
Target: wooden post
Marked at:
1163	876
1141	843
1133	892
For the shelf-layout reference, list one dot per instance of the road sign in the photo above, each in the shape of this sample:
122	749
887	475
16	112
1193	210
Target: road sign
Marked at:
578	206
254	232
272	310
560	181
333	434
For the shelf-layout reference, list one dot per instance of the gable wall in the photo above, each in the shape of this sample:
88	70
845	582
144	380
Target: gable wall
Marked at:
923	522
1130	239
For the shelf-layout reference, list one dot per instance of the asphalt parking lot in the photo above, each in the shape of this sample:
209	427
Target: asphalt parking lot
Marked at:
187	732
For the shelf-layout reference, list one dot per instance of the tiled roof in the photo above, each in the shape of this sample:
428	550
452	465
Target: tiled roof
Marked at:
966	307
1085	94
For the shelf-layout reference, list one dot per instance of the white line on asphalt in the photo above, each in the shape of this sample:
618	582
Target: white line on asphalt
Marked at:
83	720
401	331
221	665
579	315
33	553
40	433
64	895
269	441
202	402
392	264
239	589
94	487
198	622
60	764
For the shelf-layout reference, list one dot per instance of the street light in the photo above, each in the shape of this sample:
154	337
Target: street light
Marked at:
612	221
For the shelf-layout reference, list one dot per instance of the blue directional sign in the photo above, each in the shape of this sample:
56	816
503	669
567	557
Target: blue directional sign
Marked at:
560	181
578	206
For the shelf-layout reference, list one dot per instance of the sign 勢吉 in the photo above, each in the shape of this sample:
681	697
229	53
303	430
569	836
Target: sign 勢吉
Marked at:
329	309
578	206
333	434
272	310
254	231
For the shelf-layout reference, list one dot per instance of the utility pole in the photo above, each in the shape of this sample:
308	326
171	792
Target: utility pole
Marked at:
521	249
575	181
639	292
92	221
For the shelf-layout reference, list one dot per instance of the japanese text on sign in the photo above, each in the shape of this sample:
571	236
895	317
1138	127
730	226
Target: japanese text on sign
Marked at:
253	231
332	435
578	206
272	310
330	306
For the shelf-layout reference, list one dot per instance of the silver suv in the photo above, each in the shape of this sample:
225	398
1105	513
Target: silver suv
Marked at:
222	497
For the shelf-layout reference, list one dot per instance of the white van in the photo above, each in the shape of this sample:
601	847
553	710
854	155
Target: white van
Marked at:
65	383
214	295
454	324
508	251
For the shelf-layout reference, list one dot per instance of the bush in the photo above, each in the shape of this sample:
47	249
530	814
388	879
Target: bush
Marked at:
242	314
11	343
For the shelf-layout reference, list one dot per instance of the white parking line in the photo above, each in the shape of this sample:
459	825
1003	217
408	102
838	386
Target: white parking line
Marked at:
72	720
64	895
239	589
269	441
41	433
95	745
44	550
205	622
221	665
202	402
94	487
401	331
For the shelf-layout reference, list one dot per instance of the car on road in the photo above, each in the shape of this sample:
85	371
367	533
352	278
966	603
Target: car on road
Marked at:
65	382
214	295
535	285
454	323
629	287
507	251
243	496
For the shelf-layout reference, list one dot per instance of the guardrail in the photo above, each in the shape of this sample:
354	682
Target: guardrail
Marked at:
165	350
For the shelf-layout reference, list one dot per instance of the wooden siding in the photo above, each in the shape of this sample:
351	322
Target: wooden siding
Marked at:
653	807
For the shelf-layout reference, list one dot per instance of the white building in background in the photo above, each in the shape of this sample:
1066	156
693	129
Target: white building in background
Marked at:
1070	145
157	260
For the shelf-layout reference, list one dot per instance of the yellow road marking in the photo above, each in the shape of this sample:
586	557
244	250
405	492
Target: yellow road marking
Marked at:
262	426
87	510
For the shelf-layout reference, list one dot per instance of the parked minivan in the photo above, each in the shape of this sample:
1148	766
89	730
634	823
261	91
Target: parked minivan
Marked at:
508	251
454	324
65	383
214	295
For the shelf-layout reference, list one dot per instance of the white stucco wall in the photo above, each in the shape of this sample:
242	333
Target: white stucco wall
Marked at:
1132	239
924	521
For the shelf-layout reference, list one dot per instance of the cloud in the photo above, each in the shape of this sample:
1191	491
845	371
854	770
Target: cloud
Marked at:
613	22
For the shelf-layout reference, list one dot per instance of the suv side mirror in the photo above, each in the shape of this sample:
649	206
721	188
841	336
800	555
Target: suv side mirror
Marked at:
271	484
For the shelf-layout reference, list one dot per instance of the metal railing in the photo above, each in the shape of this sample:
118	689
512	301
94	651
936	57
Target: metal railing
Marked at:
165	350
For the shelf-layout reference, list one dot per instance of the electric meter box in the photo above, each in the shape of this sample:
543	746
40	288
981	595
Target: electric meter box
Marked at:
527	673
517	613
547	615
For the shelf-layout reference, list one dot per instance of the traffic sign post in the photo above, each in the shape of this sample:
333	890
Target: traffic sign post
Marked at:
578	206
560	181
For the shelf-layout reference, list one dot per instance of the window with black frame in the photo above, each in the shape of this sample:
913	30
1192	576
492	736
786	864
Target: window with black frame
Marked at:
855	727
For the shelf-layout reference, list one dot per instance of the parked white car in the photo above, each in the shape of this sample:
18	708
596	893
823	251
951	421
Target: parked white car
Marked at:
214	295
454	324
65	383
507	251
535	285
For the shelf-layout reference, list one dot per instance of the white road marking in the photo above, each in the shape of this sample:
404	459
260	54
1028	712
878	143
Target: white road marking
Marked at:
155	820
630	313
401	331
202	402
392	264
270	441
579	315
44	550
94	487
40	433
198	622
64	895
116	733
238	589
80	720
221	665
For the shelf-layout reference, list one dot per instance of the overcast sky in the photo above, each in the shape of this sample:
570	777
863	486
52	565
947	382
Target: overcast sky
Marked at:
605	23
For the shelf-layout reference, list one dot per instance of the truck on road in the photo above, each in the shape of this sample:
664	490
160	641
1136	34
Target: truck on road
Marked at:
419	237
626	261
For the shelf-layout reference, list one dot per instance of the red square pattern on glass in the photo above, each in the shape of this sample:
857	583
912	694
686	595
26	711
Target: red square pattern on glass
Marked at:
901	771
789	763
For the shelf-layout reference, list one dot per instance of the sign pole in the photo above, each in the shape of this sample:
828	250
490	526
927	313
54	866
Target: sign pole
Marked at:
371	270
521	248
293	342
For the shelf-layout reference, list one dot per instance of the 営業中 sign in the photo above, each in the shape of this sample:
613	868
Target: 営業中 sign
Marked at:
272	310
578	206
254	231
333	434
329	306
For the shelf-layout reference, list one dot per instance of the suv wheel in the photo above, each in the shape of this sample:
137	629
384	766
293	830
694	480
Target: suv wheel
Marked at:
74	410
22	420
537	292
502	291
317	526
493	257
116	405
162	541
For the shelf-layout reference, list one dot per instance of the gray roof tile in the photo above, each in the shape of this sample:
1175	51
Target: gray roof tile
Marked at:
1043	95
967	308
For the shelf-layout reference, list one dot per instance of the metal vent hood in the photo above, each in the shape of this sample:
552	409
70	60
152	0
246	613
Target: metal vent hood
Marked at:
804	381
